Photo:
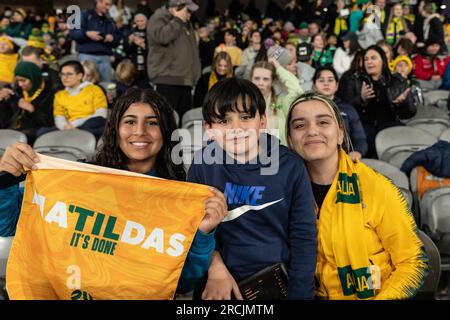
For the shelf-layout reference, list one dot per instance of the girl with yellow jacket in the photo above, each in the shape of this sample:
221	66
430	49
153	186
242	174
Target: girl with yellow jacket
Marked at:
367	242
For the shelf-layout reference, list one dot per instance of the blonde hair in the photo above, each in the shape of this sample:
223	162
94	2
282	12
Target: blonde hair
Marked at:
126	72
90	70
330	104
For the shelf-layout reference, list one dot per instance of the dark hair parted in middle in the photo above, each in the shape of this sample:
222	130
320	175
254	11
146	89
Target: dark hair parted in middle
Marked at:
110	154
225	95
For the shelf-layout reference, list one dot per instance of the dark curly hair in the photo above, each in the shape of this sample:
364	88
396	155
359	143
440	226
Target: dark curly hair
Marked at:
110	154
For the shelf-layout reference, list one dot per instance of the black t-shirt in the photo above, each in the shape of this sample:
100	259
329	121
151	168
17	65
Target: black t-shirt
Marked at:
320	192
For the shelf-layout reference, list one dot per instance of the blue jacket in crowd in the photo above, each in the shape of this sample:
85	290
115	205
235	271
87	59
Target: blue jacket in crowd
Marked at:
91	21
436	159
353	126
272	216
196	264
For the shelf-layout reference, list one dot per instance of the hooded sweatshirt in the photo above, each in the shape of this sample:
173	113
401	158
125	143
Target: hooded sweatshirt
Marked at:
279	225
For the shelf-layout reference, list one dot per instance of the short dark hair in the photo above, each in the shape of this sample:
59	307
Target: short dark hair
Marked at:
224	96
29	51
232	32
322	69
76	65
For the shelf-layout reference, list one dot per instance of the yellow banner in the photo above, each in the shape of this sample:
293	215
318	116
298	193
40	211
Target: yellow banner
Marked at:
88	232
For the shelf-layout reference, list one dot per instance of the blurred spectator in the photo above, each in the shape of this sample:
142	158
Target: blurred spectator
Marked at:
313	29
137	45
90	72
384	14
356	15
305	70
222	68
49	75
403	66
253	12
120	51
80	105
344	55
96	38
368	33
31	106
303	33
206	46
144	8
332	43
249	55
119	10
278	86
388	52
8	60
433	29
429	66
326	83
397	25
322	56
173	63
230	47
127	77
18	27
405	47
294	12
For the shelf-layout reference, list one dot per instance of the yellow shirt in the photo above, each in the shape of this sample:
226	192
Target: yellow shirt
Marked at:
82	105
7	65
234	52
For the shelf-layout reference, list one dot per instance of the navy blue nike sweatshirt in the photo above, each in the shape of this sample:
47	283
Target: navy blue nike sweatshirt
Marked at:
277	221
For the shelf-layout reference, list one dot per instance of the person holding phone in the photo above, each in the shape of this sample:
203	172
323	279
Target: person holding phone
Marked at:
173	62
382	98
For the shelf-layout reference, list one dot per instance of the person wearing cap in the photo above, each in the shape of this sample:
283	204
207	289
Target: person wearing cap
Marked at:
36	39
173	62
303	33
8	60
344	55
31	107
18	27
96	38
305	70
429	66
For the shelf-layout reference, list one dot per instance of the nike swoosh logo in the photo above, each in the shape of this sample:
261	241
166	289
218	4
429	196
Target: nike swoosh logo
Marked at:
236	213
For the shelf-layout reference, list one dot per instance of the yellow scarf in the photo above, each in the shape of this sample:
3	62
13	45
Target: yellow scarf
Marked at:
213	79
345	202
340	26
394	29
27	98
347	228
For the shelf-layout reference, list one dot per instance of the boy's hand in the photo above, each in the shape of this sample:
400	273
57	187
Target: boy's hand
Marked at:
220	282
215	211
18	157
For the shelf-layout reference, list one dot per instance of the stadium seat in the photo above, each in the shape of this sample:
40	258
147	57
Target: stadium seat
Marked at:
71	144
430	285
394	145
435	126
8	137
5	246
190	117
394	174
434	97
445	135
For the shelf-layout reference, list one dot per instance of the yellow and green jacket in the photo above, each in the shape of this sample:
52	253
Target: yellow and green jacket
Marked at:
389	248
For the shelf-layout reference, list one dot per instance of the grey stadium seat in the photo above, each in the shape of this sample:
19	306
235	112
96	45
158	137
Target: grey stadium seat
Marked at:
8	137
191	140
396	144
71	144
394	174
445	135
430	285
